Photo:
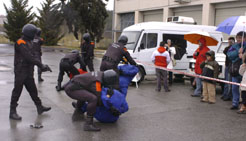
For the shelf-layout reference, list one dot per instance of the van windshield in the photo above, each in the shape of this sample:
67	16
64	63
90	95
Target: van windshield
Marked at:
132	38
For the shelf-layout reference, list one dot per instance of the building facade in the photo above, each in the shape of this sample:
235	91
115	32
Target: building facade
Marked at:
205	12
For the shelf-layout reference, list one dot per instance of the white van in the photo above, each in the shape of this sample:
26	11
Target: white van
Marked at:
144	38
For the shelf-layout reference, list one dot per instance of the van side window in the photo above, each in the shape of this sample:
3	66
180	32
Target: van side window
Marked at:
152	40
143	42
178	42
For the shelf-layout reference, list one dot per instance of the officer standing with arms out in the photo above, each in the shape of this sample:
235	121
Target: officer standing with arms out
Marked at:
67	65
37	42
114	55
87	88
87	50
24	62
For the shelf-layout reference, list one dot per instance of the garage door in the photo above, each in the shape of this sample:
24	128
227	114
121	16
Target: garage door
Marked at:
191	11
154	15
223	12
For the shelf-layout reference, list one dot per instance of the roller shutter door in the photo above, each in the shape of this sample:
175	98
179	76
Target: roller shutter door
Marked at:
154	15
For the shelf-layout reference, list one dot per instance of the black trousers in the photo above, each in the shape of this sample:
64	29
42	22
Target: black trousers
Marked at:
81	96
24	78
105	65
39	69
89	63
243	96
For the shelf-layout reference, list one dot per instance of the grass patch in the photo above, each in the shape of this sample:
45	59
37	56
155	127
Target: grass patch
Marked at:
4	40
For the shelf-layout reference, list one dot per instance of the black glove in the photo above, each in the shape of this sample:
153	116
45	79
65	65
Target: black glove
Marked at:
45	68
197	53
58	87
114	111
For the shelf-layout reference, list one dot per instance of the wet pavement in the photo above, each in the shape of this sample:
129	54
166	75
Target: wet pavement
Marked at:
173	116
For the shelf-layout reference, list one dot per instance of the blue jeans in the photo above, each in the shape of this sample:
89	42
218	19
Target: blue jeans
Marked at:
235	91
227	87
198	90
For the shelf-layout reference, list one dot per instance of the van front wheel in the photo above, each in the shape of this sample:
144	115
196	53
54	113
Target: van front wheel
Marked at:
140	75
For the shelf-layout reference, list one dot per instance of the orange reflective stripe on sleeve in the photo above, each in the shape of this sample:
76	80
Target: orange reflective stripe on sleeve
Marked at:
125	49
98	86
92	43
21	42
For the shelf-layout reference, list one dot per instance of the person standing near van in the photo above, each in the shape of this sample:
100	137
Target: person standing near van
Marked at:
172	52
235	54
161	58
210	68
200	56
227	87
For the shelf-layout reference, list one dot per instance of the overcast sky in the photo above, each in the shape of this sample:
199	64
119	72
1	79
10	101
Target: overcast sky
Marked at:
37	3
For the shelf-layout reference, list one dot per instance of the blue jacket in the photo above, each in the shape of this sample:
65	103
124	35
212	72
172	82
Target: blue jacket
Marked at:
118	99
233	52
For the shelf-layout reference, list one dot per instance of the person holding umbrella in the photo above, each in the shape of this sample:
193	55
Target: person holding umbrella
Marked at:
200	56
235	54
203	39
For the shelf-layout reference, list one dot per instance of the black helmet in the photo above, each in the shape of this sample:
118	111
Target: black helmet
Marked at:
38	32
123	39
29	31
75	51
109	78
87	37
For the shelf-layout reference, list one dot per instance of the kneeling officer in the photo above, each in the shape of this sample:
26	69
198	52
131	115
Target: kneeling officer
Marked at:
24	62
87	88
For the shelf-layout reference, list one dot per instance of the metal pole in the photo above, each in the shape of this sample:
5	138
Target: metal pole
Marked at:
113	22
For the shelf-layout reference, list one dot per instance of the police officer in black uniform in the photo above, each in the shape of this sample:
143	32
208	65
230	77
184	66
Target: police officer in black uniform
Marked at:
115	54
37	42
87	88
87	50
24	62
67	65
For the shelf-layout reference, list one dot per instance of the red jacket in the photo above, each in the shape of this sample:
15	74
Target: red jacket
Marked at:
161	57
201	57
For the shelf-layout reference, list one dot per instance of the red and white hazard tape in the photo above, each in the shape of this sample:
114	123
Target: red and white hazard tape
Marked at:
193	75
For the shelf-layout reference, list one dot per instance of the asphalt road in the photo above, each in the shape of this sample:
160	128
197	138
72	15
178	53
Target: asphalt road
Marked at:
153	116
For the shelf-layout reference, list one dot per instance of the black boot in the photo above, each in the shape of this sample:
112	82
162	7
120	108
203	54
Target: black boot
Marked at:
89	126
40	79
41	109
13	114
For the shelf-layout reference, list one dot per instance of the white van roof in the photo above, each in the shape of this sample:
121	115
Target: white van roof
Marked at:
170	26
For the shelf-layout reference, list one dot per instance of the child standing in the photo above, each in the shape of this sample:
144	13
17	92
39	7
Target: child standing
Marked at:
210	68
242	71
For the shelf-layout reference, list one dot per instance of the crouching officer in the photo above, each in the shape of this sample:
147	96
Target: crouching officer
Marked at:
37	42
115	54
87	50
67	65
87	88
24	62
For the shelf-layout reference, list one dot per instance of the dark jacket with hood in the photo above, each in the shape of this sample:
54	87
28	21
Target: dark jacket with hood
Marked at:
210	68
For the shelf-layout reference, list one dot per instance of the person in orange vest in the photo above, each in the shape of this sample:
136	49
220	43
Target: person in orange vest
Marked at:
87	51
161	58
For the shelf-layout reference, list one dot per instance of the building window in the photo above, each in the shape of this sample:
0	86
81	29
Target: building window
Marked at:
127	19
